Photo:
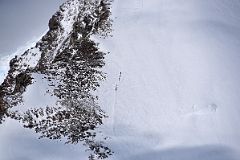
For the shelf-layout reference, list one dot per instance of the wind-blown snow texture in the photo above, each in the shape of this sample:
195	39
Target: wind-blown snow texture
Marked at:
172	90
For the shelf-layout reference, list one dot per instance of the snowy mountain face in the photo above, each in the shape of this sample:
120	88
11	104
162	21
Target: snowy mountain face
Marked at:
66	65
177	96
170	92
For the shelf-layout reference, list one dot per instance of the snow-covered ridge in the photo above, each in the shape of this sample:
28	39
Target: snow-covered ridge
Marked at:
66	64
172	87
63	20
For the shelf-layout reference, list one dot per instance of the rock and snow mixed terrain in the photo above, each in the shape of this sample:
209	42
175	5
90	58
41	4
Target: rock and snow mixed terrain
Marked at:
172	88
50	87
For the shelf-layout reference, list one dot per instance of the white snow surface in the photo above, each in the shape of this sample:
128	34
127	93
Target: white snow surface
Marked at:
172	88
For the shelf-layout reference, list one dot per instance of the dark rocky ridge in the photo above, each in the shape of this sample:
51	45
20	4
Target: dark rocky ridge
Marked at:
71	63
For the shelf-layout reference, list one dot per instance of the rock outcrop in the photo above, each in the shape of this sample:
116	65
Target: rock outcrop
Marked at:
70	61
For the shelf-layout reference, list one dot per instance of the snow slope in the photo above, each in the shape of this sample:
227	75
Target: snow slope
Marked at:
172	88
178	91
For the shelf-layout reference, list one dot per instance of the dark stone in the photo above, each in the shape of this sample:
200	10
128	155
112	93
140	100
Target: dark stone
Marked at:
22	81
53	23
